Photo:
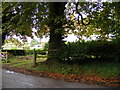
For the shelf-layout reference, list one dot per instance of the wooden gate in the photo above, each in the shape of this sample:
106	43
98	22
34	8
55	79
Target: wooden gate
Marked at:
4	56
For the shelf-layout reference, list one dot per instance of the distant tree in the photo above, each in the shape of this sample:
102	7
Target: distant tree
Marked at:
34	42
14	41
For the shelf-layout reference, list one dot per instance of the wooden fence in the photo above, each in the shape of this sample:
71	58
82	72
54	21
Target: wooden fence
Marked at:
4	56
37	55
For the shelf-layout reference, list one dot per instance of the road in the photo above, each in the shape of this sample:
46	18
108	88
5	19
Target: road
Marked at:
12	79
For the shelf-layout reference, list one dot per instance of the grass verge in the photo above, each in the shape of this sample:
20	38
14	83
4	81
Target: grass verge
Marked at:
100	69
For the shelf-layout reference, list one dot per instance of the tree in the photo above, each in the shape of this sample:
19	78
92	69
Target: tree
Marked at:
56	16
99	18
49	18
34	42
14	41
27	15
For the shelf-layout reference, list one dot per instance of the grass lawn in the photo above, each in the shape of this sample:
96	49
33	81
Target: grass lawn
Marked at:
99	69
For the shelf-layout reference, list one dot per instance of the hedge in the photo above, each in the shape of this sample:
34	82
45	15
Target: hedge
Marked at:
91	50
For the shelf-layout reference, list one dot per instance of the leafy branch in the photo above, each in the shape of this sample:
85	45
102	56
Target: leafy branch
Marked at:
79	14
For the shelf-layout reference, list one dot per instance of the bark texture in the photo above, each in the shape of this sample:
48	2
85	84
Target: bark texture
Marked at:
55	17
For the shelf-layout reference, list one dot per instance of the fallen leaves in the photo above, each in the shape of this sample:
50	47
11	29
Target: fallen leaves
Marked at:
89	79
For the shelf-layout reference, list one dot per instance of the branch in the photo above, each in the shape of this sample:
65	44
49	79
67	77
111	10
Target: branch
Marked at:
79	14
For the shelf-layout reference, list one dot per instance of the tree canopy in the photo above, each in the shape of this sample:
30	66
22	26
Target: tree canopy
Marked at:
57	19
96	18
20	18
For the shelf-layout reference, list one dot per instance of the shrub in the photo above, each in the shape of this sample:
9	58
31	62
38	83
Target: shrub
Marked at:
38	51
16	52
78	52
46	46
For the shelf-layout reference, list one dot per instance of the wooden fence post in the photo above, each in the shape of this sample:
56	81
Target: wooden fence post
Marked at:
6	56
34	60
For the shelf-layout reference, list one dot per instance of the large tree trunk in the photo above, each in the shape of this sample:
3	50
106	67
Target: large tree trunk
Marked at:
55	17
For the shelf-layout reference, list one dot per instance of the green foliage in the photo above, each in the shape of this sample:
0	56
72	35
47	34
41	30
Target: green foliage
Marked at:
16	52
103	16
46	46
34	42
30	51
104	19
100	69
14	41
89	51
73	52
20	17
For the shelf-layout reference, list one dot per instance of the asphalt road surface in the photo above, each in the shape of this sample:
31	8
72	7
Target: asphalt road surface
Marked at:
12	79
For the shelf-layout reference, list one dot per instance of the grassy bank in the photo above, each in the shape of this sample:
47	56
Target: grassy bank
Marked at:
99	69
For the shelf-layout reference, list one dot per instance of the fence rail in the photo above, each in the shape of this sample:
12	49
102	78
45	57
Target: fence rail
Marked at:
38	55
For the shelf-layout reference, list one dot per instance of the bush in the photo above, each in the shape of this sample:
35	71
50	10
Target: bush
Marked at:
78	52
15	52
29	51
73	52
38	51
46	46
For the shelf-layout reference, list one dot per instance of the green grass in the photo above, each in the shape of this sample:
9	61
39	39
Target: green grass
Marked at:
100	69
